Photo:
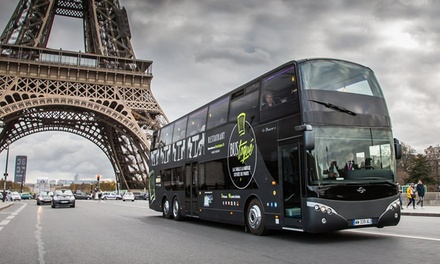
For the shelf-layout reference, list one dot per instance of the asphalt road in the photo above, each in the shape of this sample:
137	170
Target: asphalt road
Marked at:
128	232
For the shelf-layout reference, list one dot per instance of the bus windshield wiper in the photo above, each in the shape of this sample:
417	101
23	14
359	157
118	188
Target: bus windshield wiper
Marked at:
335	107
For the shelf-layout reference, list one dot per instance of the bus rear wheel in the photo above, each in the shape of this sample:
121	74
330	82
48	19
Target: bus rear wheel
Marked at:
255	218
166	210
176	211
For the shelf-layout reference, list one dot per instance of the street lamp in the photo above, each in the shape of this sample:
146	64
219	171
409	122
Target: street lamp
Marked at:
6	174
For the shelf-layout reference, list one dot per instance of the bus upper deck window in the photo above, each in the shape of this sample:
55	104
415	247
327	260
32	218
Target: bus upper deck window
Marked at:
279	88
197	122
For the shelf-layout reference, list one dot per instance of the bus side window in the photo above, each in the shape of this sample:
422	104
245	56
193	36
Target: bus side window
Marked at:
166	179
166	134
177	179
179	129
218	113
215	176
279	96
197	122
247	104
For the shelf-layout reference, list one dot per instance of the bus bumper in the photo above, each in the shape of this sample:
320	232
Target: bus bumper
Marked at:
327	216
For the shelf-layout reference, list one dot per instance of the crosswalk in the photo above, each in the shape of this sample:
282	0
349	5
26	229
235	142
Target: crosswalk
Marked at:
12	215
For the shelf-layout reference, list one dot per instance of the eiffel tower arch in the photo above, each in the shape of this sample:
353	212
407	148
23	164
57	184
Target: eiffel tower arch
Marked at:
102	94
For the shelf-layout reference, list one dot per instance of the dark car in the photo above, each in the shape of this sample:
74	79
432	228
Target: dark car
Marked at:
82	196
44	198
63	198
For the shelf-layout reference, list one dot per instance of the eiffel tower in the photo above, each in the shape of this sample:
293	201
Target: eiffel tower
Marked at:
102	94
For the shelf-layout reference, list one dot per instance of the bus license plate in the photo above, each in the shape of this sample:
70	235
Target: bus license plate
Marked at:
366	221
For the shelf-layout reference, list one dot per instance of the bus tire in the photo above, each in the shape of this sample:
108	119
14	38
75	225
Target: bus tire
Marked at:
166	209
255	218
176	211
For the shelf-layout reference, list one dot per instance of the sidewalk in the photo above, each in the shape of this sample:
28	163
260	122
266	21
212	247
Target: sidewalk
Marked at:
5	204
426	211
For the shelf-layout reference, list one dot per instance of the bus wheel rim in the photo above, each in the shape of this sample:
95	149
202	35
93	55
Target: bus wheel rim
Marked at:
166	207
254	217
175	208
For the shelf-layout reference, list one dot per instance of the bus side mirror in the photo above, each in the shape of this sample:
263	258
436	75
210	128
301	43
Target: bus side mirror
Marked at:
398	148
309	136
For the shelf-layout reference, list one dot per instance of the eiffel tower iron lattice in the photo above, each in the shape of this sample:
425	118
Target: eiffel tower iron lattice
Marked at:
102	94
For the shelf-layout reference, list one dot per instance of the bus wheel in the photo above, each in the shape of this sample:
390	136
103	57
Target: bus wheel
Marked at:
166	211
176	212
255	218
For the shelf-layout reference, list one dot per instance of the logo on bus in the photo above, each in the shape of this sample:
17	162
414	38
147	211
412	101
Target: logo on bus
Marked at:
242	153
361	190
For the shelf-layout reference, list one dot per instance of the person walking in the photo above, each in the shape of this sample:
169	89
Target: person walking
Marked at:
411	194
400	196
420	192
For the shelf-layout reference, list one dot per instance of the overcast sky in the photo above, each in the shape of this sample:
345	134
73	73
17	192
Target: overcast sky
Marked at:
203	49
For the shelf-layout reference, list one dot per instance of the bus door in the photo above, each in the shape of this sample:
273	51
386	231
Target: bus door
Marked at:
291	171
191	189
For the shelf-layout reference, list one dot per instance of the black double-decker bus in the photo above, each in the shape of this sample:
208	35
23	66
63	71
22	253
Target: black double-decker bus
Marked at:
307	146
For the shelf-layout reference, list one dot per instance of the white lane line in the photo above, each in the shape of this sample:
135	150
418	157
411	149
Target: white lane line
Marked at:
5	222
395	235
40	243
10	217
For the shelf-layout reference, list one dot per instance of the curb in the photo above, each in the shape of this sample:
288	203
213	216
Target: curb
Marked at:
6	206
420	214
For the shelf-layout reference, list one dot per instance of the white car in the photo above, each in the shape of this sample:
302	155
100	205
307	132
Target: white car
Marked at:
13	196
128	196
108	196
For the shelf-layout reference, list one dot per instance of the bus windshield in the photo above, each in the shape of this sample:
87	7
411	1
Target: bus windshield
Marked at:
339	76
351	154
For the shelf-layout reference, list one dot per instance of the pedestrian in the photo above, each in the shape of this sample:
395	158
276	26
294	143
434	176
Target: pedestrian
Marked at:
400	195
420	192
411	194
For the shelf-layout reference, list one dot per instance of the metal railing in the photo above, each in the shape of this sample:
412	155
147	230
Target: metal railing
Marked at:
75	59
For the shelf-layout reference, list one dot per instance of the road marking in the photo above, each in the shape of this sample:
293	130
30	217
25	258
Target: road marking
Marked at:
5	222
11	216
40	243
395	235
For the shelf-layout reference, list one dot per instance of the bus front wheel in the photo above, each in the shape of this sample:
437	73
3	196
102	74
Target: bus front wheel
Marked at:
255	218
166	210
176	211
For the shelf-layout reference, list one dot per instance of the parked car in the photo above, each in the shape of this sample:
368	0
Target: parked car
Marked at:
63	198
26	196
44	198
138	196
82	196
13	196
128	196
108	196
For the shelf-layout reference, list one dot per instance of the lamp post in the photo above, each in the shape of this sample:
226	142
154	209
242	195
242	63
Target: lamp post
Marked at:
6	174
